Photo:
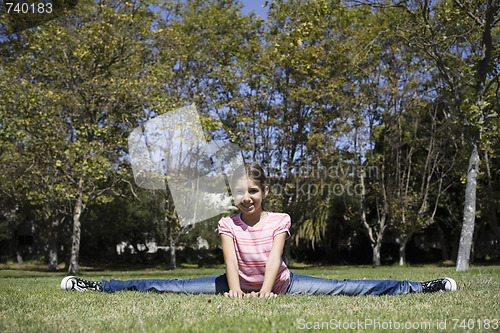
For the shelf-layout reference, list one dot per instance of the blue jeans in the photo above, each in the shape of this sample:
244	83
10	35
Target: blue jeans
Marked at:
299	284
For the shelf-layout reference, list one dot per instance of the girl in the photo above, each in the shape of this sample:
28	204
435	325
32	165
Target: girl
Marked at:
252	244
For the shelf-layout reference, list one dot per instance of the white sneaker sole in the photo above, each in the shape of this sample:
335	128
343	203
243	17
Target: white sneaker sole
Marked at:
67	284
450	284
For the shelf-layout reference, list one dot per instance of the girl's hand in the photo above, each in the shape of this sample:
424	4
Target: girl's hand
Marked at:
268	294
261	294
252	294
234	293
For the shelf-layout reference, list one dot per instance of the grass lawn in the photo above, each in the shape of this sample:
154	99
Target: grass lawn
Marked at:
31	301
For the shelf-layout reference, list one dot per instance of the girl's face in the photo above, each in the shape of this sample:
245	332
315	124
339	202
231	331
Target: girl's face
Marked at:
248	195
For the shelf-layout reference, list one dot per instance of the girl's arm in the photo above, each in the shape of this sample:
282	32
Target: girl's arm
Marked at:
273	264
232	273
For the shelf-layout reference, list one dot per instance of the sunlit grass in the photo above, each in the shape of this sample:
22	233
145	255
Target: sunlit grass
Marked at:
31	301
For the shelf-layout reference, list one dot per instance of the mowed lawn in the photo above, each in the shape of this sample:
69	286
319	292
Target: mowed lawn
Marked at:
31	301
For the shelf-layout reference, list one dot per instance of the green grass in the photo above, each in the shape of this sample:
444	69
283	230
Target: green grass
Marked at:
31	301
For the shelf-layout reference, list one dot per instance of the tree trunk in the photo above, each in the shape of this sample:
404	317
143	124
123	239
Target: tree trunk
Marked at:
19	258
53	256
484	66
75	239
374	235
402	250
376	253
17	251
467	233
171	241
402	254
167	230
173	260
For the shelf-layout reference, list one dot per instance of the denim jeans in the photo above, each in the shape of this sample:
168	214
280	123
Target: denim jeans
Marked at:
299	284
216	284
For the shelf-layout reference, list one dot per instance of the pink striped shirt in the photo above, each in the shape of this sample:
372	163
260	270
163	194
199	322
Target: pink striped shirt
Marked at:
253	245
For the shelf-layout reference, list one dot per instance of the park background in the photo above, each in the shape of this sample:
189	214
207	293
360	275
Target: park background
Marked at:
376	122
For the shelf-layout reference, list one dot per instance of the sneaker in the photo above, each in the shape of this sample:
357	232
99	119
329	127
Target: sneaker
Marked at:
444	284
73	283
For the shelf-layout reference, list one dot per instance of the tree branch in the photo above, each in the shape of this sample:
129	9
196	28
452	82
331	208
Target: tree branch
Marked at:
131	189
488	86
471	15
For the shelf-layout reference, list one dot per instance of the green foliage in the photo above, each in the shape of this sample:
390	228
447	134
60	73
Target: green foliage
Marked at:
320	84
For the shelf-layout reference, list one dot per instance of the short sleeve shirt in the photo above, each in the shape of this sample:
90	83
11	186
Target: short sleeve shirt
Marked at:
253	245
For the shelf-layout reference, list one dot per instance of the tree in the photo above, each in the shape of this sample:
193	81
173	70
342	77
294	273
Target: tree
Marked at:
479	112
200	44
84	81
295	96
466	58
396	93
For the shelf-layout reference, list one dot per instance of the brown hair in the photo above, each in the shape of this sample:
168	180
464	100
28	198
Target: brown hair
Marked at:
251	170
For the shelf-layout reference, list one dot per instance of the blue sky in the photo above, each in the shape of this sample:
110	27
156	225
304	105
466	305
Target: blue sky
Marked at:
255	6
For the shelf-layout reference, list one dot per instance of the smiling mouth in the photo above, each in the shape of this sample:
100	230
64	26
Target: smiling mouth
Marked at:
247	206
